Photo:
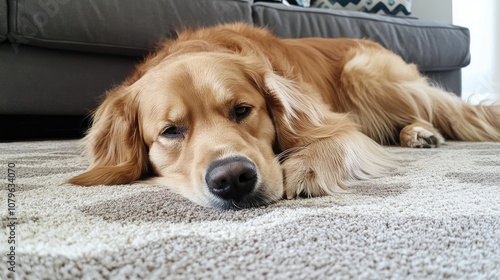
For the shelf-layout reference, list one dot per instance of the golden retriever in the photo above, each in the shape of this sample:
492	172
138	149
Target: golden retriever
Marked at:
232	116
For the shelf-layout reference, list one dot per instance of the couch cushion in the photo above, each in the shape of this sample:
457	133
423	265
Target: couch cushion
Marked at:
432	46
127	27
3	20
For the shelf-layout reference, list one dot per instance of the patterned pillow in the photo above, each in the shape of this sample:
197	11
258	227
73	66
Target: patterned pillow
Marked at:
302	3
390	7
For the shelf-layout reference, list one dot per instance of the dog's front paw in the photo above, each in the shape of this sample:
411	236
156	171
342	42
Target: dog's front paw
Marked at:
309	172
322	167
420	135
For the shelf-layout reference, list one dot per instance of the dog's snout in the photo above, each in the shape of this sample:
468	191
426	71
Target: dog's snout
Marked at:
231	178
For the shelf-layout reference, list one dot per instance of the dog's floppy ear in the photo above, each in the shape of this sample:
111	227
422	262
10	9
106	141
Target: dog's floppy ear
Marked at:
118	153
299	117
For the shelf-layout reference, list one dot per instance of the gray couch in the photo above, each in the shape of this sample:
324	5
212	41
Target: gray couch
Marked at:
57	57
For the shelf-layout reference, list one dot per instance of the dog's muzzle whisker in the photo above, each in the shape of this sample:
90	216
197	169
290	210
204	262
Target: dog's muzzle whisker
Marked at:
286	153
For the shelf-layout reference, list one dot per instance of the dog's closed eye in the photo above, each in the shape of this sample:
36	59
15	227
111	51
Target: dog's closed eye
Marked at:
173	132
240	112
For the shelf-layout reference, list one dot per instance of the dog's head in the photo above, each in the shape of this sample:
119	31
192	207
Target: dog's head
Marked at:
205	124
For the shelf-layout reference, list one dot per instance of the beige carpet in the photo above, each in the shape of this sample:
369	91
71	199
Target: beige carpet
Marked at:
437	217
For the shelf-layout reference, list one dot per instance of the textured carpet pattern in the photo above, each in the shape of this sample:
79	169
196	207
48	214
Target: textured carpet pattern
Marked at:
438	216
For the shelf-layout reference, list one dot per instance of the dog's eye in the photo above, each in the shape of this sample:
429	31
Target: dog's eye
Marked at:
240	112
173	132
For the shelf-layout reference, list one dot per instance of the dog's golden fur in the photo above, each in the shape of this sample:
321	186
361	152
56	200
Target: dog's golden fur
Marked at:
306	115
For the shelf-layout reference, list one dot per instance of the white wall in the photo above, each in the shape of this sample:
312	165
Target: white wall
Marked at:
481	79
437	10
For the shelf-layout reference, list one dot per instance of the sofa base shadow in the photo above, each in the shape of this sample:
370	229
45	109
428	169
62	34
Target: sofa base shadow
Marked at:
31	127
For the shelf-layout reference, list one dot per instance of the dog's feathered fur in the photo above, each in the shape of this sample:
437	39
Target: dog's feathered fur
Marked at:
319	101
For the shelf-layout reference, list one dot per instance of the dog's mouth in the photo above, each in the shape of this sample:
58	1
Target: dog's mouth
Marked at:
255	199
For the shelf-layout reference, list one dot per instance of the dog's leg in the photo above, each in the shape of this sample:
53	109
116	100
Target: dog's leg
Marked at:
323	166
386	93
420	135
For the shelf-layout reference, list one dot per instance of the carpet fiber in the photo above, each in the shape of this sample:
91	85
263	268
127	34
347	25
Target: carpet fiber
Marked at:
438	216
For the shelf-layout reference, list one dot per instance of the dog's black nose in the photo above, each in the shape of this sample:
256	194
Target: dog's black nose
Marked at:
231	178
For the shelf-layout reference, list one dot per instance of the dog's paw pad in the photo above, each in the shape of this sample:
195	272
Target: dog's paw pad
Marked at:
422	138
